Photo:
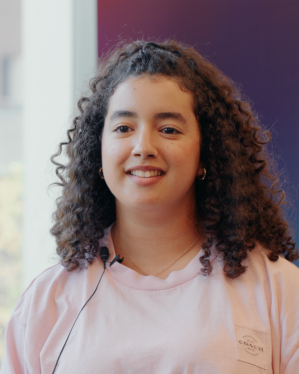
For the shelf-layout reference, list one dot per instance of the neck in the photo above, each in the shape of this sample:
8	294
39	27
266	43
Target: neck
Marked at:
153	238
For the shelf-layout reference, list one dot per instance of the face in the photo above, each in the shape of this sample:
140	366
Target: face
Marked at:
151	144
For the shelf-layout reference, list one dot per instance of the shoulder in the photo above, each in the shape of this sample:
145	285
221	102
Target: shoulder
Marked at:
50	289
279	279
274	281
39	287
40	307
274	288
56	288
281	271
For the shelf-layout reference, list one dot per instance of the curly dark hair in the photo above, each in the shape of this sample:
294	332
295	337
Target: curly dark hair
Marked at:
238	204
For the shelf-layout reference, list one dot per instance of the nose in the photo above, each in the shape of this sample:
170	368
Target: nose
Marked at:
144	146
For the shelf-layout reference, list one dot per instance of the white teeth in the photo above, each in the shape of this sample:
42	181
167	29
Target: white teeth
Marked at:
146	174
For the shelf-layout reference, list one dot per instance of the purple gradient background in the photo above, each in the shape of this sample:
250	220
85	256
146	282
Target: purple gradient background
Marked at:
255	42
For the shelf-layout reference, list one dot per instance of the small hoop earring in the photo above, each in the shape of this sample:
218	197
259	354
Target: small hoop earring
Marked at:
203	176
101	173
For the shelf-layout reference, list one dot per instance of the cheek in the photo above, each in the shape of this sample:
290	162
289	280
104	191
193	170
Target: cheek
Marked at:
185	156
113	152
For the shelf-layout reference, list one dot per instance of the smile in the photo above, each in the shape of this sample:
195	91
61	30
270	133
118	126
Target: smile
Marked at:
146	174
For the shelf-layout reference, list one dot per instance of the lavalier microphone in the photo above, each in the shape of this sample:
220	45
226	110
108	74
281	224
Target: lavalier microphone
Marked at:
104	254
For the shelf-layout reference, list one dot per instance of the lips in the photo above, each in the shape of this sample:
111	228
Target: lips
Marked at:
145	168
145	175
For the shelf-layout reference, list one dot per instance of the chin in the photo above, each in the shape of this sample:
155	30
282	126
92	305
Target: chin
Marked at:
143	202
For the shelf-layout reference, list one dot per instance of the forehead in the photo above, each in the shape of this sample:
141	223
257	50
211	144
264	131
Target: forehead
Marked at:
148	93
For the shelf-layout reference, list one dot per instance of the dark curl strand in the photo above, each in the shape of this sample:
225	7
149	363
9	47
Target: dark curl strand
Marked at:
238	203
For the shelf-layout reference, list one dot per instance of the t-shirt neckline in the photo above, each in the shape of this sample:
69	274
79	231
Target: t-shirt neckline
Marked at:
132	279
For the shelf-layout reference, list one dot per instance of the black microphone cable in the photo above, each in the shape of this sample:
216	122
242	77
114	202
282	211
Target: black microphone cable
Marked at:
104	254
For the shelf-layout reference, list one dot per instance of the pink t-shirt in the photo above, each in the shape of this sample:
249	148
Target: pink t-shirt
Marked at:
136	324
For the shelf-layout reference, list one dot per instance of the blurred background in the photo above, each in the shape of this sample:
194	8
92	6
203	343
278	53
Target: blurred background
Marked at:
48	53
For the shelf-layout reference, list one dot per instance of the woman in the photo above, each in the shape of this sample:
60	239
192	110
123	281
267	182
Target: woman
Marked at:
167	169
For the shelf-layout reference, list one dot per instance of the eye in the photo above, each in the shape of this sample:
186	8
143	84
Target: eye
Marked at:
122	129
170	131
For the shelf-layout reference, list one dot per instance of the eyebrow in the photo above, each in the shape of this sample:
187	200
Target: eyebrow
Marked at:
163	115
123	113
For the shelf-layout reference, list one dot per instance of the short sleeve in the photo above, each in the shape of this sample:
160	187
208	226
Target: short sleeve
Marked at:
293	364
13	360
287	297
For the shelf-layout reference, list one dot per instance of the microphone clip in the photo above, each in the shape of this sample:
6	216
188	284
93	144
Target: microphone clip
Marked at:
116	258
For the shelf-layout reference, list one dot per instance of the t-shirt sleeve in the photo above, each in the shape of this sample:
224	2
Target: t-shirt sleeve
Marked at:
13	360
293	364
289	317
22	342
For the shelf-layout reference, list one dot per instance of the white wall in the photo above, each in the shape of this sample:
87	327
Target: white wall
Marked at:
59	56
10	41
